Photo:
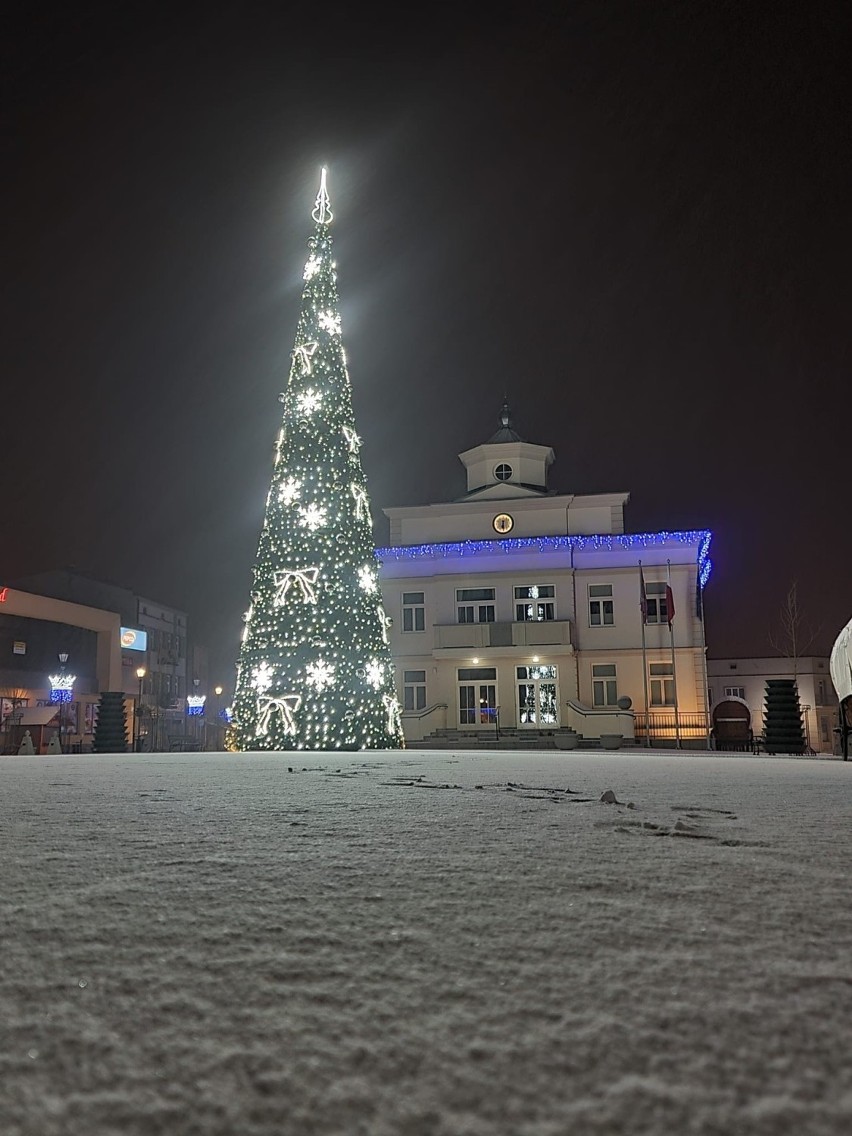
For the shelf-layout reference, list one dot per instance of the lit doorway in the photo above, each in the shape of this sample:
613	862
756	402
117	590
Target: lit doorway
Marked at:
477	696
538	697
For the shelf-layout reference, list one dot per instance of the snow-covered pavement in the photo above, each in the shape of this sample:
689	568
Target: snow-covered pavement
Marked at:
424	944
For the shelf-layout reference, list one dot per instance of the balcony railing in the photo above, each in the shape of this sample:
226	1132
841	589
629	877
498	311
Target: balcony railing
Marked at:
544	633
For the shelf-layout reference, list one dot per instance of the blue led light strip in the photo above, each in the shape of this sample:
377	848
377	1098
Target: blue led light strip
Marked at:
602	542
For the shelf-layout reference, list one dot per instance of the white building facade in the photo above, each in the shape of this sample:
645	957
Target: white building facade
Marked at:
517	609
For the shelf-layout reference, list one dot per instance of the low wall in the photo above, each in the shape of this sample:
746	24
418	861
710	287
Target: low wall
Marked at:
592	722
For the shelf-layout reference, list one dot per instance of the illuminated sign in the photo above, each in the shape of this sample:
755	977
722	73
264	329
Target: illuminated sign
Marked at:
195	703
3	594
133	640
19	647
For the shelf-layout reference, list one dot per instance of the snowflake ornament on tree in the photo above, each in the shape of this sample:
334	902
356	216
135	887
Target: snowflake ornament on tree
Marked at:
320	674
367	578
261	678
289	491
329	322
312	517
308	402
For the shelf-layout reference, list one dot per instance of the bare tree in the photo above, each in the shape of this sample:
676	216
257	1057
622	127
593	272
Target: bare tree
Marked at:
794	634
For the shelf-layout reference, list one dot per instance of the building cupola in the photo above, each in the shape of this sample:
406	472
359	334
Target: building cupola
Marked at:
506	466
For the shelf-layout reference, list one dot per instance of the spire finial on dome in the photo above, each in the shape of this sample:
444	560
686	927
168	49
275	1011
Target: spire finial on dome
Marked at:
322	213
506	431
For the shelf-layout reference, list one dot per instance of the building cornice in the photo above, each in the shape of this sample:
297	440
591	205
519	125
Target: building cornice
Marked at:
541	501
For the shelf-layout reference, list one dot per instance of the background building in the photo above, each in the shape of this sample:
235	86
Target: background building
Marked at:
745	679
517	609
69	612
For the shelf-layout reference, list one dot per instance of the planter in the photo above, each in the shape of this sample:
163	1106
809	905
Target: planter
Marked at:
566	741
611	741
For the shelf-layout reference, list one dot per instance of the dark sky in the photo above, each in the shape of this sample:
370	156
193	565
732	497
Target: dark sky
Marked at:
632	217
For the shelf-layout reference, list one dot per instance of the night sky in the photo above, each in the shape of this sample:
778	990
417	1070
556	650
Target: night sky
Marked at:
632	218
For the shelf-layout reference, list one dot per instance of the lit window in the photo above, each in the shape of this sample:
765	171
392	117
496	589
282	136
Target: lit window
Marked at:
535	603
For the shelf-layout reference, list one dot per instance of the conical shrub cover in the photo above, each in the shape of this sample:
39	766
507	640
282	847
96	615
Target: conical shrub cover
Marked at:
782	717
111	724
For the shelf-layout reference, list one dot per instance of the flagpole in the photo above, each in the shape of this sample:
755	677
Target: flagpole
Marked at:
704	663
674	669
642	615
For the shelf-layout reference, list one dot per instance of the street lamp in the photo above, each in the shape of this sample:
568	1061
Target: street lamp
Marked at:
217	690
140	674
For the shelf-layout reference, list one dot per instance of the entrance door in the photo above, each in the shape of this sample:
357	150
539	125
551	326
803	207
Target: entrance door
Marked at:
538	698
477	696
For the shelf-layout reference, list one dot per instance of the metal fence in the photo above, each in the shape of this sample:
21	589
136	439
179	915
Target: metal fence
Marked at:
662	727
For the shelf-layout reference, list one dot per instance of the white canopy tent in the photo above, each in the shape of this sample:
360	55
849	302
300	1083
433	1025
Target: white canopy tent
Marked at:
841	663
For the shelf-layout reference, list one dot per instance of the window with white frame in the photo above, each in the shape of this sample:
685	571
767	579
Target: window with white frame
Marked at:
413	611
735	692
601	610
655	599
535	603
475	605
662	686
414	690
604	685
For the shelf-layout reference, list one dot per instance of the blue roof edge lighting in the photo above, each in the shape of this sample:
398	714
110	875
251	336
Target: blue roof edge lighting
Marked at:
604	541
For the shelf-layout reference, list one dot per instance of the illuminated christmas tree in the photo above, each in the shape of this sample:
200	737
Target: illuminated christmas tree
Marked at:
315	669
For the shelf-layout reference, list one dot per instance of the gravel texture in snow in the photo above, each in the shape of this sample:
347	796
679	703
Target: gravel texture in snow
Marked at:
425	944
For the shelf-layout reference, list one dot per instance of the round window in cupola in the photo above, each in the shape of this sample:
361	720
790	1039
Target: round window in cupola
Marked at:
503	472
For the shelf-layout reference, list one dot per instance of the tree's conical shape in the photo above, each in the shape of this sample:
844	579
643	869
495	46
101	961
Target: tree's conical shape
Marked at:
315	670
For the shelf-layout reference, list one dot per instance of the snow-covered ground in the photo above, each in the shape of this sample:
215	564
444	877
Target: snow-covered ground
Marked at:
425	944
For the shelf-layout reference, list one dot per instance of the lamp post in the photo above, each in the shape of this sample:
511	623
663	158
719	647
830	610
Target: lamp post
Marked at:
217	690
195	705
62	690
137	741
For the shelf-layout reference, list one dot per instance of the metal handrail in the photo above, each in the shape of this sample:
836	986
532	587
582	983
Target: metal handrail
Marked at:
422	713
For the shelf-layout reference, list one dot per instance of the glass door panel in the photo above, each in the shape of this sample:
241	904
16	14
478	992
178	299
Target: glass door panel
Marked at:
477	704
538	696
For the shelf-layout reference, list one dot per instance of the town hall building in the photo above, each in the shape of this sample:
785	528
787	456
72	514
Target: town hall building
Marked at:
516	610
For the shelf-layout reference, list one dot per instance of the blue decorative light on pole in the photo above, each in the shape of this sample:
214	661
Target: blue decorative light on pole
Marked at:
195	704
62	689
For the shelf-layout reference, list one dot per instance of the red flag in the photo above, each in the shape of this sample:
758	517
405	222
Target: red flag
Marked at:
643	599
669	606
